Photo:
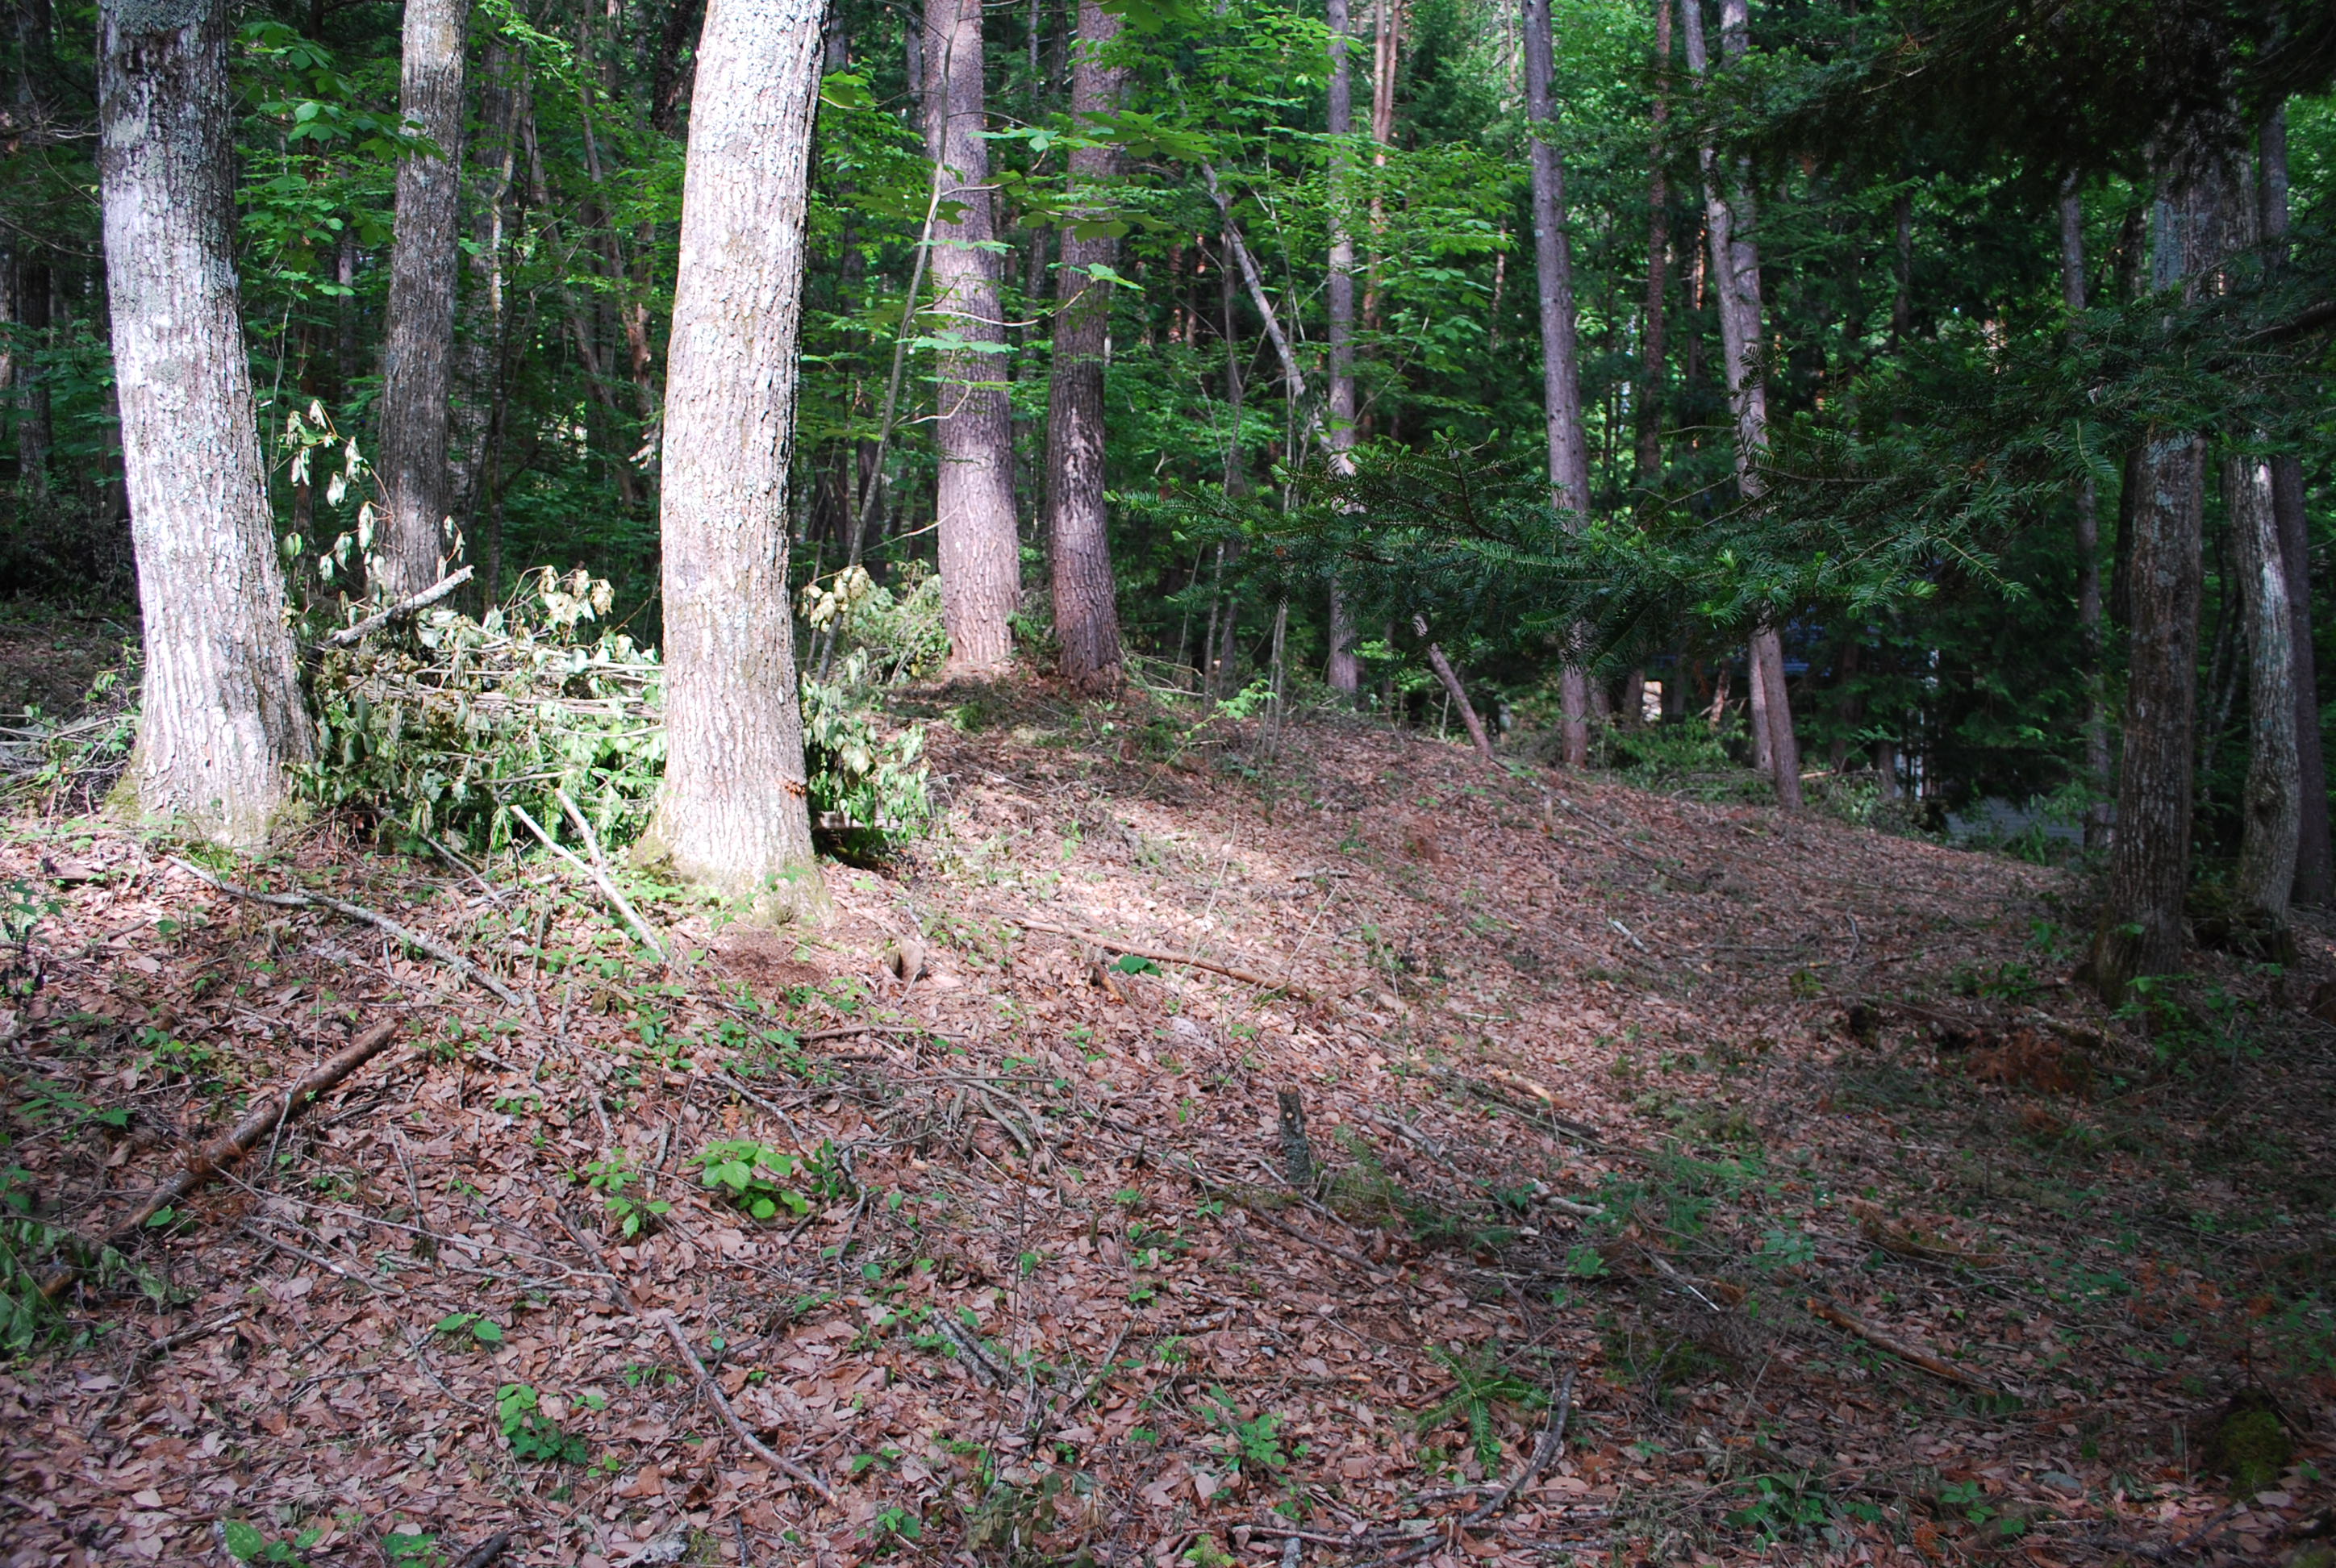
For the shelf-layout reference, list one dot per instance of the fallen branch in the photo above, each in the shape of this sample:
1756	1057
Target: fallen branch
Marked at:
272	1111
349	635
488	1551
1553	1438
1293	1232
664	1318
1163	955
596	872
411	938
1582	1132
1455	691
1915	1355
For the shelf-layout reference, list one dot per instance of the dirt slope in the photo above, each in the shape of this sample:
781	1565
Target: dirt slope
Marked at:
1851	1231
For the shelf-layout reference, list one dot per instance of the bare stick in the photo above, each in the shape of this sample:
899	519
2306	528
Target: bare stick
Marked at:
348	634
1451	679
1553	1438
411	938
1912	1354
665	1319
207	1162
1164	956
599	877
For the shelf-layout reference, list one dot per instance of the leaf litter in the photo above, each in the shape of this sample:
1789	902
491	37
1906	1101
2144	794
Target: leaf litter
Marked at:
1681	1183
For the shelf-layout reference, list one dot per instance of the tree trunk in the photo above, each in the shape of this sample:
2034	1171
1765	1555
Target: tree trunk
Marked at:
33	433
2149	861
1344	671
1735	287
2274	804
733	813
1569	446
1659	243
221	718
1078	544
1452	689
479	354
418	325
2314	880
980	552
668	81
2099	771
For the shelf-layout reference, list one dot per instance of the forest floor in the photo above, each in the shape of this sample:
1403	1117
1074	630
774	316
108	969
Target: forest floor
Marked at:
1774	1165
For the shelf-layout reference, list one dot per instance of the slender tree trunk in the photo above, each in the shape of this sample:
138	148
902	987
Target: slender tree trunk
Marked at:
2100	770
418	329
1452	689
1659	243
980	552
2274	804
1736	286
34	434
1345	671
2314	882
1569	446
669	77
733	813
478	353
2149	860
220	712
1078	543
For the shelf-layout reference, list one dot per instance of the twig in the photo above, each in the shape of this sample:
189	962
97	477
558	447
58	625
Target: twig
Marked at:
207	1162
411	938
349	635
1356	1259
599	877
1164	956
1553	1437
260	1232
1101	1372
155	1350
665	1319
487	1550
1912	1354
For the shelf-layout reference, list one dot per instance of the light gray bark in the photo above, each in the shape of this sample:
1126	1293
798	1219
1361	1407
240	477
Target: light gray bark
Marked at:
418	321
733	813
980	552
221	713
1078	544
2274	804
1344	671
1736	288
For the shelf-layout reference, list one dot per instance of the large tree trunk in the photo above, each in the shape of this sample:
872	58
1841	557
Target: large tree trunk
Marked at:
222	719
1345	671
1735	287
2149	861
1649	412
2100	770
2315	880
418	325
733	813
980	553
1569	445
2274	804
1078	544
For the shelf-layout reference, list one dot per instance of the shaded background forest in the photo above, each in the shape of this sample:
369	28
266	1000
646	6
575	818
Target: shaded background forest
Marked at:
1888	276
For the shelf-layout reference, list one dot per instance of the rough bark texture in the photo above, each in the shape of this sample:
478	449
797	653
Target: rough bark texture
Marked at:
2149	863
2315	881
1078	545
2274	803
1649	411
418	323
733	813
1344	671
2099	767
980	553
1569	445
221	717
1735	287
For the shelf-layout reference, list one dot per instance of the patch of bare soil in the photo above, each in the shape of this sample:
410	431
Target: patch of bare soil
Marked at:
1576	1174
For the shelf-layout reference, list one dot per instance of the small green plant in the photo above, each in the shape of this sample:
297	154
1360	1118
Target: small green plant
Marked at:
245	1544
751	1173
1253	1444
1479	1382
480	1328
412	1550
531	1434
1130	964
894	1524
631	1215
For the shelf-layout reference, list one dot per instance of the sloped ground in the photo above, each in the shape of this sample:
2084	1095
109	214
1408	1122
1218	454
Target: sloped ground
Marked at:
1848	1229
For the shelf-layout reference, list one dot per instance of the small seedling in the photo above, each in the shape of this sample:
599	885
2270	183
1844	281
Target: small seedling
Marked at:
481	1327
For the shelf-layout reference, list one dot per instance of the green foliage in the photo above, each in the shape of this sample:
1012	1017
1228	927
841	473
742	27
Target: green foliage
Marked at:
751	1174
1254	1445
475	1326
632	1215
1480	1381
245	1544
531	1434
